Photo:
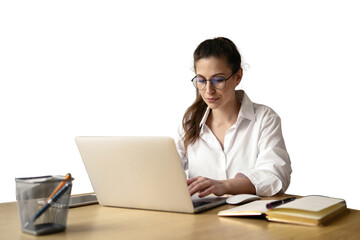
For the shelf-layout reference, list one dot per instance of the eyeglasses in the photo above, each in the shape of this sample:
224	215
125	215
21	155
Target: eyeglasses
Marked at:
217	82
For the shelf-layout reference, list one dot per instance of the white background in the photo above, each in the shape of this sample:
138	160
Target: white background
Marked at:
70	68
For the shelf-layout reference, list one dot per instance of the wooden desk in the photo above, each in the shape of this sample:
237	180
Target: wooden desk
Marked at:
96	222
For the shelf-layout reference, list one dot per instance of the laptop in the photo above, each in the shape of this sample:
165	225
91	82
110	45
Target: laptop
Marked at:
141	173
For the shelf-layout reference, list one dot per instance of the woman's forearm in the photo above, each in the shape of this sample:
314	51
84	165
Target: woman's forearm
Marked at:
238	185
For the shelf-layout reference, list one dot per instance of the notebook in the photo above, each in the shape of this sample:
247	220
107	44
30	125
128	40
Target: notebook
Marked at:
309	210
139	172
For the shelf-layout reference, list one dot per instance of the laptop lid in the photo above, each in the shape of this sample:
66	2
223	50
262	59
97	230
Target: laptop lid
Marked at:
137	172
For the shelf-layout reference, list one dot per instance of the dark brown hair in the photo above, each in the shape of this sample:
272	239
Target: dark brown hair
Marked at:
220	48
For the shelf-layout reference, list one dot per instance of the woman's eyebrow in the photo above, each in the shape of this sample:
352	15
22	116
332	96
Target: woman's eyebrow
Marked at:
216	74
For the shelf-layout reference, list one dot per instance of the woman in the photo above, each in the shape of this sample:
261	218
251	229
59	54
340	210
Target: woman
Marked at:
228	144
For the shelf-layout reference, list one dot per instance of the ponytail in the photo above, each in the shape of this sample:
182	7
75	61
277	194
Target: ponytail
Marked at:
191	121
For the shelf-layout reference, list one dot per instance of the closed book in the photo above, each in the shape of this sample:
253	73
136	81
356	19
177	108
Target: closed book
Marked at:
309	210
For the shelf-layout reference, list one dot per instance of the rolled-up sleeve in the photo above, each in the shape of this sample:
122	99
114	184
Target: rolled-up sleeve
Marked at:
272	170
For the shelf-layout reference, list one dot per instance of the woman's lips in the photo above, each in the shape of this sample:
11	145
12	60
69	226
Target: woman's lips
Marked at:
212	100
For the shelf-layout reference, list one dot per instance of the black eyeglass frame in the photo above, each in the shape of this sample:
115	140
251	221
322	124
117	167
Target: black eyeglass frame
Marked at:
206	80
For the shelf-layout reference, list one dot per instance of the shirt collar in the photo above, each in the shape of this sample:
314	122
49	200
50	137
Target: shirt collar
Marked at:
246	110
203	120
247	106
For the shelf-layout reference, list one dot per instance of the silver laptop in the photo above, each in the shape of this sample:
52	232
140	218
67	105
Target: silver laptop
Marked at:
139	172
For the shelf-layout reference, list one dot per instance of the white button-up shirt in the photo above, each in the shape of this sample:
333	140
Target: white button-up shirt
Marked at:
253	146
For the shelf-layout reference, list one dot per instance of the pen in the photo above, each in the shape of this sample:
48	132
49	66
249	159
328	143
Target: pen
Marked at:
49	202
279	202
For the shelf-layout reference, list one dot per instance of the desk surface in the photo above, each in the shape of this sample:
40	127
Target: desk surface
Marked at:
96	222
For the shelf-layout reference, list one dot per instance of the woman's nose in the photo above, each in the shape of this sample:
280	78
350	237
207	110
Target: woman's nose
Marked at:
209	88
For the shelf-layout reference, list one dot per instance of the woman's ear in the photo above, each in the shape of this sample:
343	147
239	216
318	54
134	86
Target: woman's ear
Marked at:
238	76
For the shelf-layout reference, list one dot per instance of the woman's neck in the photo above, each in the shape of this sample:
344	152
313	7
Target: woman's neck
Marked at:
226	115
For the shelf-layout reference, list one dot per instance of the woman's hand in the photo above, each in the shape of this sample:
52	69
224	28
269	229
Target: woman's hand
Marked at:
206	186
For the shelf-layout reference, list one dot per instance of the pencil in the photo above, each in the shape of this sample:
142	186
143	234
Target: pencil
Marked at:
61	184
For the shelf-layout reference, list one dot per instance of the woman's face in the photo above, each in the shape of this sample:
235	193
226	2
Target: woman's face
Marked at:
213	67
